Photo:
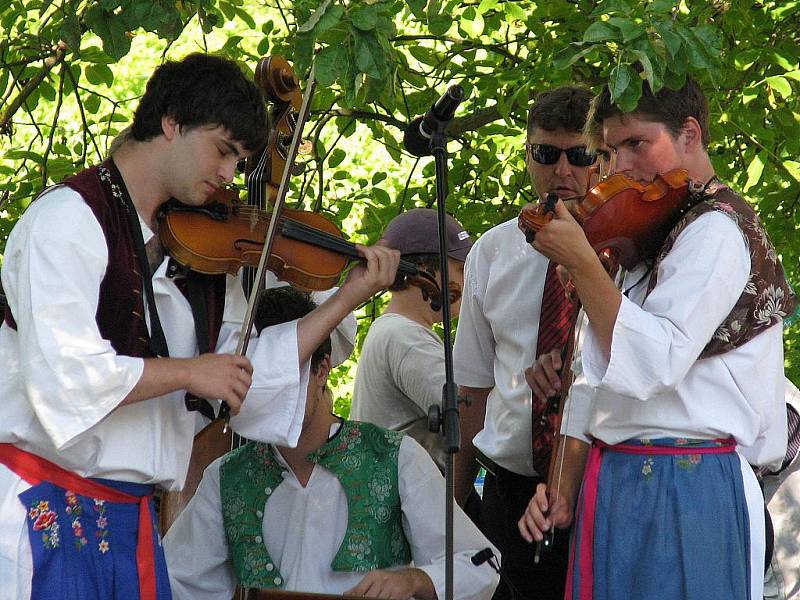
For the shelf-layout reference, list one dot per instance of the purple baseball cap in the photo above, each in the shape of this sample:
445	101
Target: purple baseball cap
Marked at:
416	232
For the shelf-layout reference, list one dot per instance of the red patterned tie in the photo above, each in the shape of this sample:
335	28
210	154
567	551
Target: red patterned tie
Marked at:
555	322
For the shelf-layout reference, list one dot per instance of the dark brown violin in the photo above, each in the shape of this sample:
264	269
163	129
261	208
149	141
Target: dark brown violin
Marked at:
623	218
309	251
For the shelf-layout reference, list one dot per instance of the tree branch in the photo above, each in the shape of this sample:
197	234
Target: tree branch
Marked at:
54	59
363	114
54	125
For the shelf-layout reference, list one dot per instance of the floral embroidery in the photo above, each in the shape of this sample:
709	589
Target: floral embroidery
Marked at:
647	468
102	525
770	306
74	510
46	521
689	462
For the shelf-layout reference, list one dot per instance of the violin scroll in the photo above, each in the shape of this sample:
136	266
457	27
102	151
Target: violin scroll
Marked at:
429	287
535	216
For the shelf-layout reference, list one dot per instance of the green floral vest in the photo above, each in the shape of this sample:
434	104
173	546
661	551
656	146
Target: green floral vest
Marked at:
364	459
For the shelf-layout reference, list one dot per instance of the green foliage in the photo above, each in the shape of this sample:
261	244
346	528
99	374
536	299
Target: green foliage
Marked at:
72	69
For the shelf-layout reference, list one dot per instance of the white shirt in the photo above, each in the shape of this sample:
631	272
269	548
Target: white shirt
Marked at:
61	382
654	386
304	527
496	339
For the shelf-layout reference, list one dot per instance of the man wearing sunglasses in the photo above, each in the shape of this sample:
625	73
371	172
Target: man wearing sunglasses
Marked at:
504	322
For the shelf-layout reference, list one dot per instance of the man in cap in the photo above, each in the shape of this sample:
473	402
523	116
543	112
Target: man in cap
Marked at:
401	368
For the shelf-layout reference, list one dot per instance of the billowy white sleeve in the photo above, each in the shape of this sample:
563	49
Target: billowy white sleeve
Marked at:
422	497
274	407
55	261
198	558
343	337
654	345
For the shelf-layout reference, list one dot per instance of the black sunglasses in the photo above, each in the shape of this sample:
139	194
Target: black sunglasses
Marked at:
578	156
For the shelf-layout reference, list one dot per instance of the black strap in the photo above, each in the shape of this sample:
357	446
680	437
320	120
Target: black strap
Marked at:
196	294
158	343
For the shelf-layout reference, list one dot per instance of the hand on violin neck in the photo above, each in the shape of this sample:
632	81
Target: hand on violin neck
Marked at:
563	241
376	273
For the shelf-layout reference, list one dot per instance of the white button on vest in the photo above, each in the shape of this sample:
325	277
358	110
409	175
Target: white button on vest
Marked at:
259	514
270	566
258	539
267	490
278	581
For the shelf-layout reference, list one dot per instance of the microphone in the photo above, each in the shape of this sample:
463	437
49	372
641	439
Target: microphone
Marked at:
488	555
481	557
417	136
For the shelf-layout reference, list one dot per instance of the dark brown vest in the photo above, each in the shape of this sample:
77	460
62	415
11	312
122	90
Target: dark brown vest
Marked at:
120	312
767	297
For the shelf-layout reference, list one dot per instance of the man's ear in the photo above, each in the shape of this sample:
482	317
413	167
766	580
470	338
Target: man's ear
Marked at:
169	126
323	369
692	134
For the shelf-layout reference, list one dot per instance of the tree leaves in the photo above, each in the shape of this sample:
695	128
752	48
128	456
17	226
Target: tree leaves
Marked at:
111	29
380	63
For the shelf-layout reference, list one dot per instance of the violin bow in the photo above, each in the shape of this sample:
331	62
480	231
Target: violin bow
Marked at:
258	283
556	466
557	458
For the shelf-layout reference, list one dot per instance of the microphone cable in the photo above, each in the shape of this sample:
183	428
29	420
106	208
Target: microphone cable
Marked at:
487	556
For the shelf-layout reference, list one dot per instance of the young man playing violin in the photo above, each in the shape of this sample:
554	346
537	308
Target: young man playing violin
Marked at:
344	512
684	372
511	299
98	354
401	367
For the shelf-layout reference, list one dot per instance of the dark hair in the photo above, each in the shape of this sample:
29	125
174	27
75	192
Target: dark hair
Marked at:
199	90
428	262
669	107
283	304
562	108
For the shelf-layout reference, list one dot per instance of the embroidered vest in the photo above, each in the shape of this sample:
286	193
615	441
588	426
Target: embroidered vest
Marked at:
364	459
767	297
120	311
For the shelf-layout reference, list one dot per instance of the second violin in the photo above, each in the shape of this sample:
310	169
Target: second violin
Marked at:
623	218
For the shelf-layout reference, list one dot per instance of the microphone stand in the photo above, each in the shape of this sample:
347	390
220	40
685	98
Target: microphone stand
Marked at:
448	417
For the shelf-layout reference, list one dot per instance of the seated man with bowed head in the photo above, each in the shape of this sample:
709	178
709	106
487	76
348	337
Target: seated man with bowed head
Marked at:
353	509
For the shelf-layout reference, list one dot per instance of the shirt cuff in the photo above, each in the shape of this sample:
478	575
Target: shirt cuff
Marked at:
274	408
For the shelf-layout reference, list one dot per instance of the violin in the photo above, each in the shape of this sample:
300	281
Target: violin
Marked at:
224	235
624	219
